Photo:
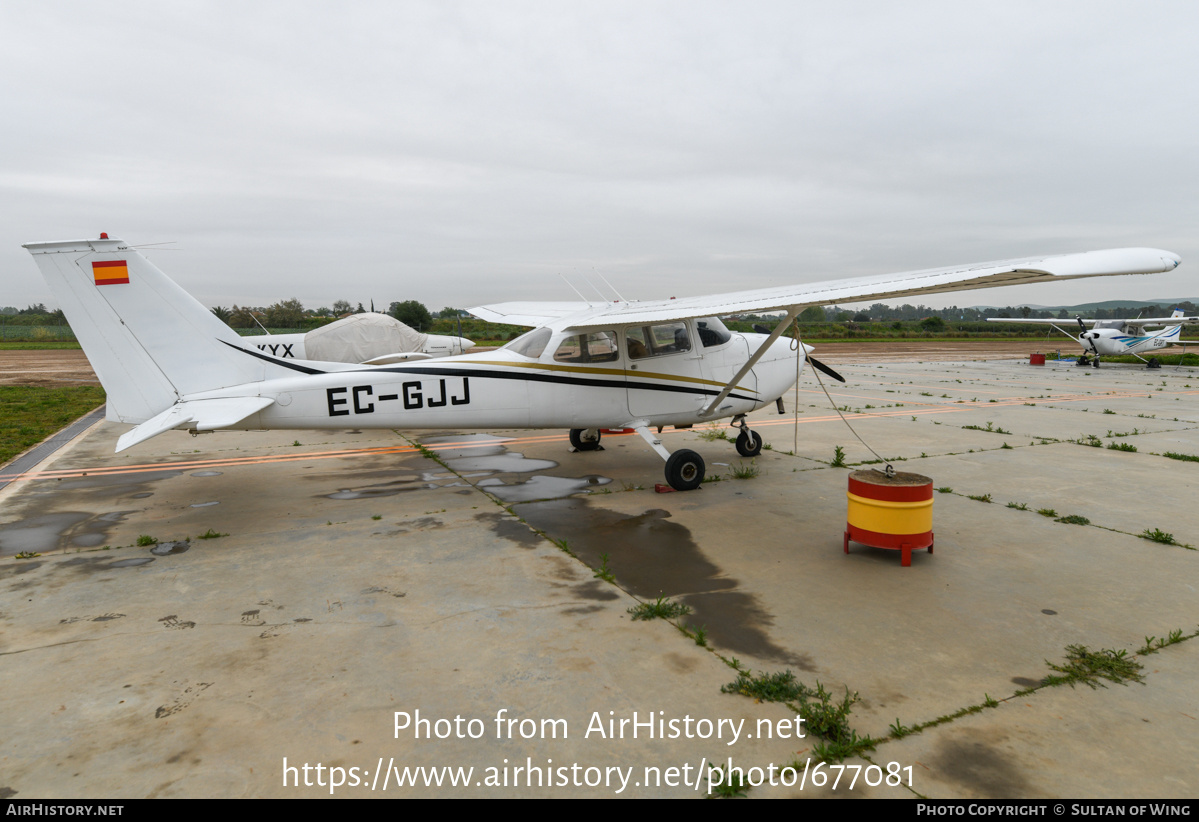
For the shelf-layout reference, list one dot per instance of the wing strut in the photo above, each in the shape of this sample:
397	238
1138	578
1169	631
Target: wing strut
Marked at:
792	313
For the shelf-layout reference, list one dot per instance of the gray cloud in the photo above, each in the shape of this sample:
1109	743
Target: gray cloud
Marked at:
463	153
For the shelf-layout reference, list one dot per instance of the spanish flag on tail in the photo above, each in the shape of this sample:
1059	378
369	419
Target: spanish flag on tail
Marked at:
111	272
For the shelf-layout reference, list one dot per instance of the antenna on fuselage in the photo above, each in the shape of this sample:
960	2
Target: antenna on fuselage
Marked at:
619	296
603	299
572	288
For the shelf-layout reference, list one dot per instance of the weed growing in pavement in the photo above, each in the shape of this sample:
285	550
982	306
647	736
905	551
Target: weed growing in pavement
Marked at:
1090	667
661	608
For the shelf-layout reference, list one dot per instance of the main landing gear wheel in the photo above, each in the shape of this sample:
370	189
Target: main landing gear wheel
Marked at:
684	470
749	443
1153	363
585	439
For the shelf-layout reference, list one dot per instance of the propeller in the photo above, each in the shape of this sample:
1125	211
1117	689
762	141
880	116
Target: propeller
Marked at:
817	364
1083	335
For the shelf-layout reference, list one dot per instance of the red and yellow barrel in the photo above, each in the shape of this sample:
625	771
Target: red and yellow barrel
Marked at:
890	512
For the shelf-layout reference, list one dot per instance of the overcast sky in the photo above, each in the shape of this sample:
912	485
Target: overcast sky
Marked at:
460	153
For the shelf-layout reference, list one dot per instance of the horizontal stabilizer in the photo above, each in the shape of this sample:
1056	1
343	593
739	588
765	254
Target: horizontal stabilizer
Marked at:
200	415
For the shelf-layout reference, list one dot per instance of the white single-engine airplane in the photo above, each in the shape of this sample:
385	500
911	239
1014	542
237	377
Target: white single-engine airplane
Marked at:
1111	338
167	363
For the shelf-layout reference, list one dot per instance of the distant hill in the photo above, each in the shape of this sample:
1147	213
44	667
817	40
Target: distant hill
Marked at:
1086	308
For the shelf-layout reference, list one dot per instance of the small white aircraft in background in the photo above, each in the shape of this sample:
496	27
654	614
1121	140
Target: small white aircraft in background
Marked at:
1110	338
168	363
366	339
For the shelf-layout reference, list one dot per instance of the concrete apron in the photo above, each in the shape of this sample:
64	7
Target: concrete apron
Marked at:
195	671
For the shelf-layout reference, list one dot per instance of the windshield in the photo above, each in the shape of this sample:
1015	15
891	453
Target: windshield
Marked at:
531	344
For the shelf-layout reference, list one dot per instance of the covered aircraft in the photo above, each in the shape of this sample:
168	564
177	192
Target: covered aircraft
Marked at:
167	363
367	338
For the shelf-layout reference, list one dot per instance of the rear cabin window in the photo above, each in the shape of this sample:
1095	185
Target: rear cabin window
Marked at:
657	340
598	346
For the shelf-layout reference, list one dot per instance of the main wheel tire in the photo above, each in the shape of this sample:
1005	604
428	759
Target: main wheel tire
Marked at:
749	443
684	470
585	439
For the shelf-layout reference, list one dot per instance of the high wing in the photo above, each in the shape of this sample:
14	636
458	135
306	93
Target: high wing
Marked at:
532	314
794	298
1162	321
1070	321
1139	321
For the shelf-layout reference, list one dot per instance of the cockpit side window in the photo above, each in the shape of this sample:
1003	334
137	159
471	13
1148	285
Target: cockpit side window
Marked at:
593	347
712	332
531	344
657	340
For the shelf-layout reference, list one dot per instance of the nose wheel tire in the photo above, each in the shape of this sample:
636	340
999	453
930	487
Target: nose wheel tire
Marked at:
585	439
684	470
749	443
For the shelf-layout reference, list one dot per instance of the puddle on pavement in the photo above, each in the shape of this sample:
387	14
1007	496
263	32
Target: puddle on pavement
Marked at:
166	549
543	487
483	452
478	445
93	564
64	529
206	473
203	504
510	529
651	557
383	489
507	463
131	563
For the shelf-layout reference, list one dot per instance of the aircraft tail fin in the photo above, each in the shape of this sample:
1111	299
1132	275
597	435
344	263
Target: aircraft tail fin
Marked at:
149	341
1178	312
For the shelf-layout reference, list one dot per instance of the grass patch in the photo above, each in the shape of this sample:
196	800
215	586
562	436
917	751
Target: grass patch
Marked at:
1047	512
1121	446
714	433
604	572
1091	667
1174	455
1153	644
980	497
209	534
732	787
744	470
1090	439
1073	519
827	717
661	608
944	489
32	413
990	427
1158	535
1019	506
838	457
146	539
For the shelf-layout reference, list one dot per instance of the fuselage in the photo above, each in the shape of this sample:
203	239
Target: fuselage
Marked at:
547	379
1113	341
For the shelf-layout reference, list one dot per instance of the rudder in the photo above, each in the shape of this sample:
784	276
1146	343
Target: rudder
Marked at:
149	341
